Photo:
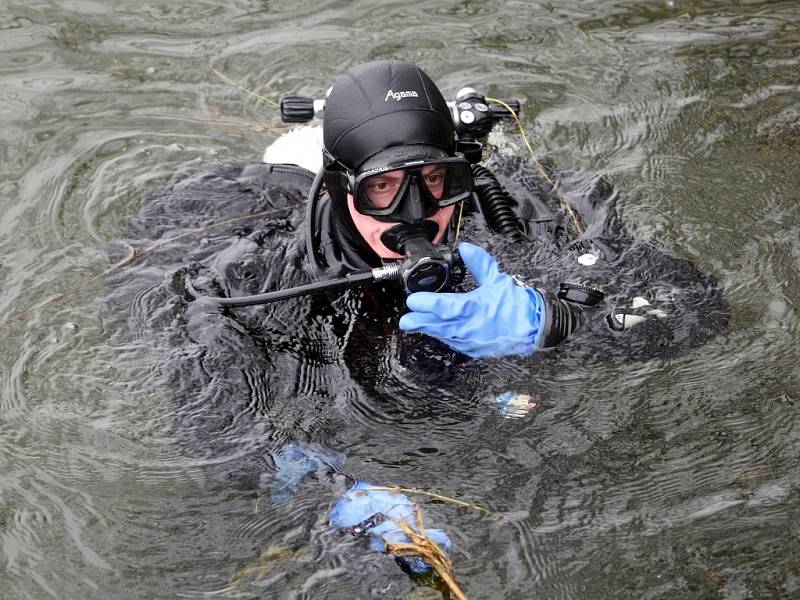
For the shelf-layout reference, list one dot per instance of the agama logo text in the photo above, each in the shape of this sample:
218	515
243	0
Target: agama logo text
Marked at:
399	95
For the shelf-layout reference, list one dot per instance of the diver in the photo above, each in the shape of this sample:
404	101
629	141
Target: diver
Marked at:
398	186
262	396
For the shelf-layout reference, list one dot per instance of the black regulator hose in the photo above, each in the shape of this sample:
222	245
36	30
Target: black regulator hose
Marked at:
350	280
426	268
312	227
496	204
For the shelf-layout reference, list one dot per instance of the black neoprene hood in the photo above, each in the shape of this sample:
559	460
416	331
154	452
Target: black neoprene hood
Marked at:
382	104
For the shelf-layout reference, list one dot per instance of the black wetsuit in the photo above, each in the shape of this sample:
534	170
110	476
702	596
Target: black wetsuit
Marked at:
244	382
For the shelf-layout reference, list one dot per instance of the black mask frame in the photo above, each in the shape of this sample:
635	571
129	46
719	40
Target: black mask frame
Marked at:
413	200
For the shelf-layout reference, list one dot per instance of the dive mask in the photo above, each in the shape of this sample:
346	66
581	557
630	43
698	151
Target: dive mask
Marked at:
411	191
408	184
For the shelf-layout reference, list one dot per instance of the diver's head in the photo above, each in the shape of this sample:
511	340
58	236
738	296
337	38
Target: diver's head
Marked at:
391	158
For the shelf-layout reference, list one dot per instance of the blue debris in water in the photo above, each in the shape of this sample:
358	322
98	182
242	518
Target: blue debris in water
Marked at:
364	510
293	463
374	512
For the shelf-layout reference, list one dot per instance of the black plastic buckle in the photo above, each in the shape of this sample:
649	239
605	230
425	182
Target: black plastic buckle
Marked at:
579	293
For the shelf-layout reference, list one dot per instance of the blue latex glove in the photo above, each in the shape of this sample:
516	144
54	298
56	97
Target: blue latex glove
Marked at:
293	463
498	318
360	503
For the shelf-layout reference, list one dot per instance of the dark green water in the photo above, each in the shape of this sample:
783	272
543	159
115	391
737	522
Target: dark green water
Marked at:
665	479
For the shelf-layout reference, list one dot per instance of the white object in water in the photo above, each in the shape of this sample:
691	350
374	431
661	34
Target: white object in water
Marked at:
639	302
626	320
301	146
587	259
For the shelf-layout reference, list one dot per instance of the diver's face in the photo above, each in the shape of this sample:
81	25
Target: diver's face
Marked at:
381	189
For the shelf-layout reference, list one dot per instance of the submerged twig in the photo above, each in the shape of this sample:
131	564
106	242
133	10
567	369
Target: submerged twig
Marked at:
421	546
251	573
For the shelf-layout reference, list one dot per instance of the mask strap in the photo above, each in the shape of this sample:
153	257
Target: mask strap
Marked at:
333	178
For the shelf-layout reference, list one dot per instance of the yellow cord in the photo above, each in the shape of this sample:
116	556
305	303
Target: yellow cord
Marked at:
396	488
562	198
241	88
458	223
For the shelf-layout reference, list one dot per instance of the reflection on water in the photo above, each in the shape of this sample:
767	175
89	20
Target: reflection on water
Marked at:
671	478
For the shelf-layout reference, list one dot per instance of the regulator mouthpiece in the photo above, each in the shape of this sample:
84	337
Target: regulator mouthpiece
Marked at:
401	236
426	268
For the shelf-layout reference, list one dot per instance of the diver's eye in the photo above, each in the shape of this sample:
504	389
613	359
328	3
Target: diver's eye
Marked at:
381	189
435	177
434	180
381	186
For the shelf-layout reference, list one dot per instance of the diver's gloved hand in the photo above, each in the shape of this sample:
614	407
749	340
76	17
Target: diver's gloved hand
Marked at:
499	318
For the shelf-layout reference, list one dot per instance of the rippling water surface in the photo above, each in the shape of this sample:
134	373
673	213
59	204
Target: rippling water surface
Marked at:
673	478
